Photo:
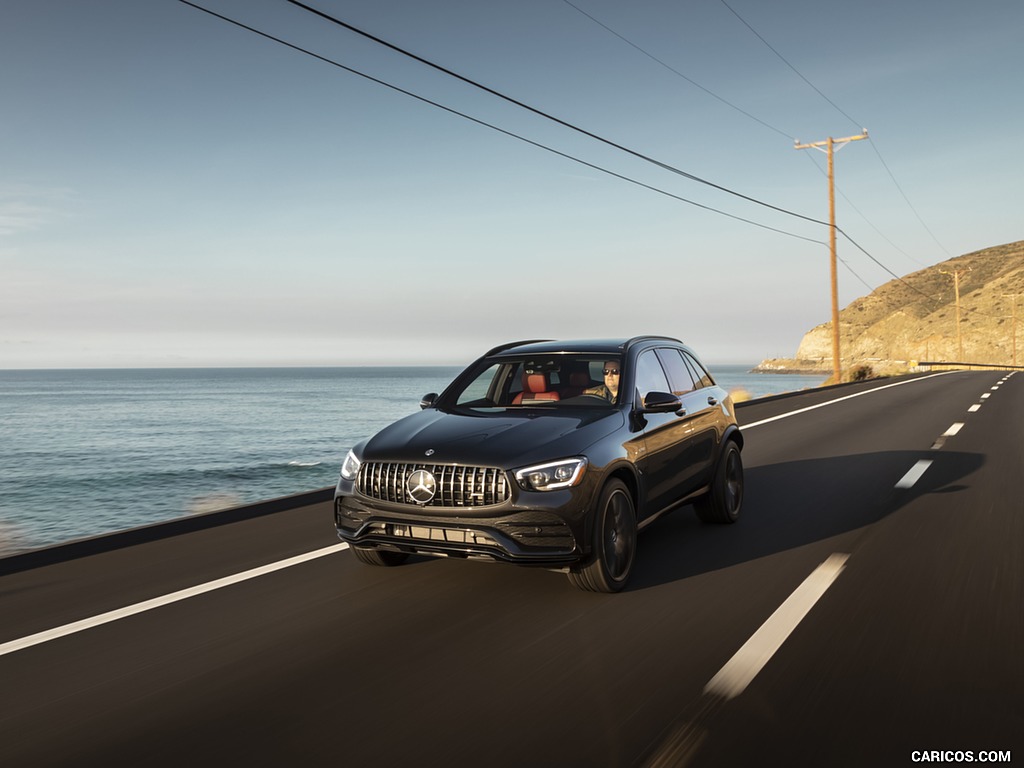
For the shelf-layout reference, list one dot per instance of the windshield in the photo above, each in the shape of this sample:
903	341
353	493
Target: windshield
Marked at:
549	381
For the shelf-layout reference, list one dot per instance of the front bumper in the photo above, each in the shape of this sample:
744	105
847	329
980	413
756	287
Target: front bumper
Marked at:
507	532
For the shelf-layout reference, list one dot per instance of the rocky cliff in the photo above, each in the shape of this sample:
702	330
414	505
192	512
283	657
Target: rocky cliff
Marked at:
914	318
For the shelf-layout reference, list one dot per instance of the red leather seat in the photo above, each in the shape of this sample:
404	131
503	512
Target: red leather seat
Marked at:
536	386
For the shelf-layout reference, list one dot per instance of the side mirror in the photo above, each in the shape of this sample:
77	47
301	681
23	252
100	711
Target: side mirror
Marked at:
428	400
661	402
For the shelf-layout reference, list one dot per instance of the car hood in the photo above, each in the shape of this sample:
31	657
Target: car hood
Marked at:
498	440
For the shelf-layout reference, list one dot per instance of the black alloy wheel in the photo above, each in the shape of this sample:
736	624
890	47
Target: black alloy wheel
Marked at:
723	503
614	553
383	557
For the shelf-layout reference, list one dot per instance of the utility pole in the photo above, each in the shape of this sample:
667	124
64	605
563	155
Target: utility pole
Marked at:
956	286
830	150
1014	326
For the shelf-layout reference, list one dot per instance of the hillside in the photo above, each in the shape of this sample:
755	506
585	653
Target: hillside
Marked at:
914	318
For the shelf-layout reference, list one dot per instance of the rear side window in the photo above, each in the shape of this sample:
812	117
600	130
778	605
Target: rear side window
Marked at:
679	376
700	373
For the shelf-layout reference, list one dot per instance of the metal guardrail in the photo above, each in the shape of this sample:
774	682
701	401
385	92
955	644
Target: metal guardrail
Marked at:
992	366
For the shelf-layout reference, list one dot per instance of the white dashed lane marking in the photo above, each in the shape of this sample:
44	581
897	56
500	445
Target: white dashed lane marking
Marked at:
974	408
909	479
743	667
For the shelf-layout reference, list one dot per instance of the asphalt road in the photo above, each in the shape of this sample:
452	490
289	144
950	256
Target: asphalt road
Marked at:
733	645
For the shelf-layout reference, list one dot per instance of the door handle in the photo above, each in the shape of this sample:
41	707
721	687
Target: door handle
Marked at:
712	400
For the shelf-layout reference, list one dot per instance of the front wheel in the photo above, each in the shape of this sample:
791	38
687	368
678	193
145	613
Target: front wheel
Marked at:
378	556
614	551
723	502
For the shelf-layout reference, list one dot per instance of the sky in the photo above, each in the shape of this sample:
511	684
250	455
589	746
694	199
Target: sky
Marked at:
176	191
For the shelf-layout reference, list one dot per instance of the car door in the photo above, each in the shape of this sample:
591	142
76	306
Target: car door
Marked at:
702	402
664	440
699	422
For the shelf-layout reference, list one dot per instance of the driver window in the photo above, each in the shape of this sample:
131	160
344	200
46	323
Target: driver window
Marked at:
650	376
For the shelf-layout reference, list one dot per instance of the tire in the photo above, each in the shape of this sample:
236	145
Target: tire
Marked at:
378	556
614	546
723	502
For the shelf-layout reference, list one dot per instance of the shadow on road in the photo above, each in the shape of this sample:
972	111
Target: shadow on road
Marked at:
791	504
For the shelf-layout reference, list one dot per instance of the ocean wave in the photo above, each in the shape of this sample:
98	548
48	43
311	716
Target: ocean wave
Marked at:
169	442
143	474
211	502
12	539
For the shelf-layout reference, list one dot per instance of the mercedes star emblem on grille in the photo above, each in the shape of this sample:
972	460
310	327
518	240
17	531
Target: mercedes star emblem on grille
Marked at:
421	486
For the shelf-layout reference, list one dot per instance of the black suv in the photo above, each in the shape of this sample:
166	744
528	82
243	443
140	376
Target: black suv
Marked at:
551	453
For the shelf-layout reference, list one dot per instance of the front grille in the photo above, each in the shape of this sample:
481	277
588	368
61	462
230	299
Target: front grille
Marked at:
455	486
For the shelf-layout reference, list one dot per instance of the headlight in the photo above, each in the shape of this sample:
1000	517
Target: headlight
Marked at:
552	476
350	468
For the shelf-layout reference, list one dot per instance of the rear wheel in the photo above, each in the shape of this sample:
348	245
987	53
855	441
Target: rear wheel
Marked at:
723	502
611	562
378	556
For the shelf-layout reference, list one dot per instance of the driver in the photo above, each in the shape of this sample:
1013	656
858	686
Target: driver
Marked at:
610	389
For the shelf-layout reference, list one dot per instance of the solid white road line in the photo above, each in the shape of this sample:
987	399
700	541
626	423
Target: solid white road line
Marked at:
737	673
908	480
841	399
156	602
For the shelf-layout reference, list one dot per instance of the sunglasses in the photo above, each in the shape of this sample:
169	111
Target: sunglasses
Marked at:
611	371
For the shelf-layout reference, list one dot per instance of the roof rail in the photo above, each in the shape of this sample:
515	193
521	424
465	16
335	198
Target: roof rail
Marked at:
652	336
509	345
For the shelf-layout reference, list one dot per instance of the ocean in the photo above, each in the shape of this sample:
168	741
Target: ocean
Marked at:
88	452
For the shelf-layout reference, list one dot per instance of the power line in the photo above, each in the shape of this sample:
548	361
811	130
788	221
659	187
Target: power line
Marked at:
559	153
541	113
675	71
835	229
784	61
860	213
493	127
860	248
550	117
776	130
762	122
844	114
744	112
938	300
907	199
864	282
